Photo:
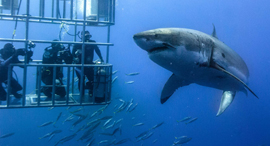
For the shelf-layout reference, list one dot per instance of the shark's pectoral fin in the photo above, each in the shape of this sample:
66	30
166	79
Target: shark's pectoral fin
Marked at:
226	100
171	85
216	66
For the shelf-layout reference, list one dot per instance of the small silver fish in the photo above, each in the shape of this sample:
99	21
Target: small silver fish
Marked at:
138	124
51	137
106	118
133	108
110	126
192	120
50	108
133	74
118	121
121	100
129	82
114	72
122	141
181	140
69	107
129	107
77	110
46	135
131	102
147	136
184	119
114	79
107	122
94	121
70	118
7	135
46	124
103	141
58	117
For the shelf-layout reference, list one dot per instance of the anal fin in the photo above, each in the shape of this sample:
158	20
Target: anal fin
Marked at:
226	100
171	85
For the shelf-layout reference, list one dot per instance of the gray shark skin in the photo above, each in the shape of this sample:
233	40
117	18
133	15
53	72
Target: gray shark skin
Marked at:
195	57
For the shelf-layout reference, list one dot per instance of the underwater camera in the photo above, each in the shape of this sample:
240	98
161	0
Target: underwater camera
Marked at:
31	45
29	51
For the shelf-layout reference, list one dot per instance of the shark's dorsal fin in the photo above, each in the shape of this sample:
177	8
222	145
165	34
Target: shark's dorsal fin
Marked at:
214	34
216	66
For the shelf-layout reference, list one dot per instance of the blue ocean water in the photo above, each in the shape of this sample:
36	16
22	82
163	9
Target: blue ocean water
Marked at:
242	25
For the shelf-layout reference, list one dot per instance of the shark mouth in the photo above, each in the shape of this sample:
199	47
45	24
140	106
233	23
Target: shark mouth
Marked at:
161	48
158	49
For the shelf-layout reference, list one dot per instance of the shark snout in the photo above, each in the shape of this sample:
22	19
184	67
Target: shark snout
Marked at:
136	37
149	41
140	35
142	40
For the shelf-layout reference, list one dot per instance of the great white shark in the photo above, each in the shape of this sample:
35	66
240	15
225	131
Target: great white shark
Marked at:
195	57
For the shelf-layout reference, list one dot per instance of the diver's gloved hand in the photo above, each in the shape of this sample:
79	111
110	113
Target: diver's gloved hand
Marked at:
65	53
78	52
19	52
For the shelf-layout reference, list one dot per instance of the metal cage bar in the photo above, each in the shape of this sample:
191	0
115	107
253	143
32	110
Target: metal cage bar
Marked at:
68	84
57	9
64	9
39	84
52	9
83	57
53	89
71	10
26	46
9	85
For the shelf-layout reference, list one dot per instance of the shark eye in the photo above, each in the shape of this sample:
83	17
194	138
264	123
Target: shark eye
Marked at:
223	55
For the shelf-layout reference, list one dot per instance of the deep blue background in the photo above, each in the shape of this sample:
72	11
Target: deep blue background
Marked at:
242	25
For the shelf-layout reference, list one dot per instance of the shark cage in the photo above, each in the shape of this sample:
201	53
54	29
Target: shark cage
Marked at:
76	14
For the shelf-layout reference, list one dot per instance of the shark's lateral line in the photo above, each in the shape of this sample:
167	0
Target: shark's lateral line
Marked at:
195	57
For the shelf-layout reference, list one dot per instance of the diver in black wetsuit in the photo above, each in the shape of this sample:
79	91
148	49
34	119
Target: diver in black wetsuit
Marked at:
88	59
9	55
55	54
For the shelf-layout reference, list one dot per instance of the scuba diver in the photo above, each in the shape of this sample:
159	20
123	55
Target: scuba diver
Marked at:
10	55
54	54
88	59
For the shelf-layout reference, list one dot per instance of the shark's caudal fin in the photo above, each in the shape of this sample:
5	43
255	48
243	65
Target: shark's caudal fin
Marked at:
216	66
226	100
171	85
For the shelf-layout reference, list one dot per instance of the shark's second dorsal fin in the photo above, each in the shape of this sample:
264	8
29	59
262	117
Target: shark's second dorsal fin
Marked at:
214	34
216	66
